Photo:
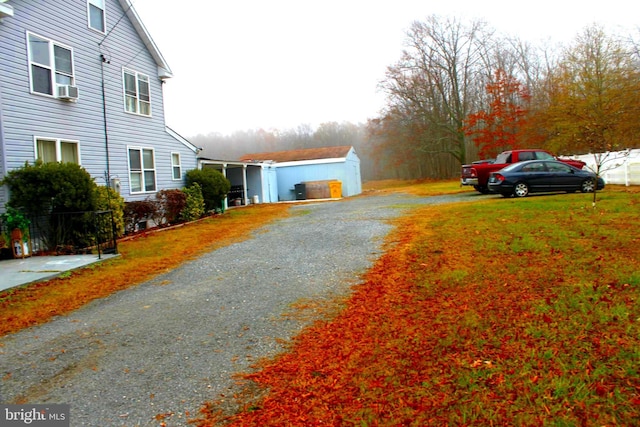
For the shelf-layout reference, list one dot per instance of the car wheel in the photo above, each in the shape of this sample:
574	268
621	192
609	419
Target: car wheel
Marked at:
588	185
521	189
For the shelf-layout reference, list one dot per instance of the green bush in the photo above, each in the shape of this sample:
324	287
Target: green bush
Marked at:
13	219
213	184
195	206
109	199
51	188
50	192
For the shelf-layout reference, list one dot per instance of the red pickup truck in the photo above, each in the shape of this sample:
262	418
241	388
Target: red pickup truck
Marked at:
477	173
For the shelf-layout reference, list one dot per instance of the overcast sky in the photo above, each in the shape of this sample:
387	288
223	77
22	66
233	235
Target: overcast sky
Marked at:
249	64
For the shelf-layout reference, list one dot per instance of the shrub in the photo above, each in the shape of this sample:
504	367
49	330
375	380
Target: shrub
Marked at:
170	204
13	219
55	190
213	184
109	199
195	206
51	187
137	211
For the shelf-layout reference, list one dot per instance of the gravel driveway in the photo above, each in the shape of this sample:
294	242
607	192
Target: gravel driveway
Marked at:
172	343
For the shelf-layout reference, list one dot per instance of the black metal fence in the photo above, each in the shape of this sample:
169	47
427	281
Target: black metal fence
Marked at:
72	233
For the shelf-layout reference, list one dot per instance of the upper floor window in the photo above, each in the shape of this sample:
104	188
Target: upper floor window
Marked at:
137	97
142	170
57	150
95	10
175	166
50	65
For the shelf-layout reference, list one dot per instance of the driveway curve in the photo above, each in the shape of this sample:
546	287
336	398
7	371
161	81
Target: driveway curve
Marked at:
161	349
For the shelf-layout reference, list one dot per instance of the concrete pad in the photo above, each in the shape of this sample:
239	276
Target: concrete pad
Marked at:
17	272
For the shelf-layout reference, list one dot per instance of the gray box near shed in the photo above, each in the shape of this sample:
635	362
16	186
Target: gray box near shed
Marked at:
301	191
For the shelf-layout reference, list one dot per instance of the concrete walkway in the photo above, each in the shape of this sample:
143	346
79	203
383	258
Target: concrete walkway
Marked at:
17	272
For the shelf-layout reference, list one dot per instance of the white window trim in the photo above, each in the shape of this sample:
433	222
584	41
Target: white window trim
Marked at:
58	142
51	67
142	171
138	101
104	16
179	165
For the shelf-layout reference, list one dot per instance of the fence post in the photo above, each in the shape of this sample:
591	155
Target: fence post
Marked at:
627	167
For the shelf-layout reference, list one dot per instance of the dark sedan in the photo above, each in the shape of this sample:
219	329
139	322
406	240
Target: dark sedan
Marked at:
540	176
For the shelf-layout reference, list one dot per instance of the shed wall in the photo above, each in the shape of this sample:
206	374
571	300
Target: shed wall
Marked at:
347	171
289	176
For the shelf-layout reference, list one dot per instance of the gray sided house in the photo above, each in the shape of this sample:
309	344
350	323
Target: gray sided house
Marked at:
81	81
312	165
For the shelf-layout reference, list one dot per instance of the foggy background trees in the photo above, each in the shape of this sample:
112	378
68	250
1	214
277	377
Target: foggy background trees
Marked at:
460	90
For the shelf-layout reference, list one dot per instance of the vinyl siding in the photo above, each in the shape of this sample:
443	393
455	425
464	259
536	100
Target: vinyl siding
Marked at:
3	189
26	115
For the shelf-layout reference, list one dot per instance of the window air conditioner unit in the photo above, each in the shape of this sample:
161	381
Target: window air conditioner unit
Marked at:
68	92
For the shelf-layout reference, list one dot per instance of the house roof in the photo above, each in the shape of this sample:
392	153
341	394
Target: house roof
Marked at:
164	72
300	155
5	9
183	140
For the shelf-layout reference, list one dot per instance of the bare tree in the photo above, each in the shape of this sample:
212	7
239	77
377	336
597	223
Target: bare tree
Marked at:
435	84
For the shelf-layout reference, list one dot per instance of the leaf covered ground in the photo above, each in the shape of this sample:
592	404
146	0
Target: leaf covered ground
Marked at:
501	312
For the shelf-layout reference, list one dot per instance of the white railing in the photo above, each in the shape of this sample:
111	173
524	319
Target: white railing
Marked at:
617	168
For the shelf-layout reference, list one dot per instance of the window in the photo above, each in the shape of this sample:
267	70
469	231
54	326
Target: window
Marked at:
137	98
526	155
558	167
175	166
50	64
504	157
534	167
142	170
543	155
95	10
57	150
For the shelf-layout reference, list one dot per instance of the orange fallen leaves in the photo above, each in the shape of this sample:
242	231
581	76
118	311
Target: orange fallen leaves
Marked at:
440	333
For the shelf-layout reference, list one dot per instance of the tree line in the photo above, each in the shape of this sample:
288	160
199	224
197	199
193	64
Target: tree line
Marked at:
331	134
460	91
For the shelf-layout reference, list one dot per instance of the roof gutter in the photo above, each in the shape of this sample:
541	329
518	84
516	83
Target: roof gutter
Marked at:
6	11
183	140
310	162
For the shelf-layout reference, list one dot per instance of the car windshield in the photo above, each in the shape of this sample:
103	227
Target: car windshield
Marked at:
504	157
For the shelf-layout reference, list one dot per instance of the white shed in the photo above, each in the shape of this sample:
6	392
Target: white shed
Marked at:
300	168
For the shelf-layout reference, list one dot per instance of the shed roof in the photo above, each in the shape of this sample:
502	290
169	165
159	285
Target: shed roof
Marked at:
300	155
